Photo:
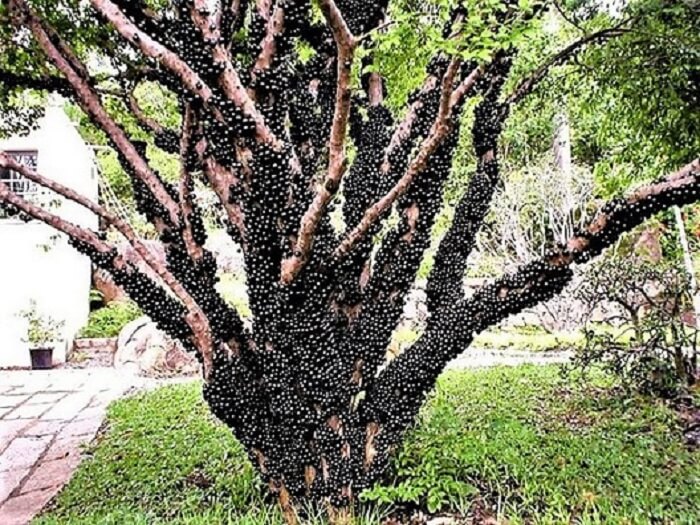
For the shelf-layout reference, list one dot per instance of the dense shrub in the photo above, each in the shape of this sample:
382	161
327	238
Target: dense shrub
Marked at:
109	320
655	351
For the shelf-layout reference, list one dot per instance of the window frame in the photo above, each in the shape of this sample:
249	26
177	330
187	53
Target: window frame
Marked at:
28	190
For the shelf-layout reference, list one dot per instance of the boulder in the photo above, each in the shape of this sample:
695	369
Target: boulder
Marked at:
648	244
146	350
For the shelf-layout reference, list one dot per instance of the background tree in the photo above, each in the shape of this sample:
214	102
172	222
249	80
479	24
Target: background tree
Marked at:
288	111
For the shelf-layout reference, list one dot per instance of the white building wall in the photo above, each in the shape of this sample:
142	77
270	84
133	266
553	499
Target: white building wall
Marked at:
37	263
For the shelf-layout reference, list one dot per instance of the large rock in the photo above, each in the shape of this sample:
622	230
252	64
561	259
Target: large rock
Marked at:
143	348
648	244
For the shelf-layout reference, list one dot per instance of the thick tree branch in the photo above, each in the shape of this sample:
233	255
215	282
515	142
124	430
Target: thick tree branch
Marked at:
375	89
275	27
346	44
438	132
400	389
445	280
73	231
186	185
403	131
90	102
57	84
157	51
232	16
529	285
229	80
341	32
208	19
222	181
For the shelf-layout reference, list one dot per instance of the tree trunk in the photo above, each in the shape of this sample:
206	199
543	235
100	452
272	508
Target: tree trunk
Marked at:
688	264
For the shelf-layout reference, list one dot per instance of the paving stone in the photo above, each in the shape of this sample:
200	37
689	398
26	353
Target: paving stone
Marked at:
31	386
9	481
19	510
67	383
107	396
81	427
93	411
45	397
65	447
23	452
12	400
9	430
26	411
39	453
51	473
43	428
69	407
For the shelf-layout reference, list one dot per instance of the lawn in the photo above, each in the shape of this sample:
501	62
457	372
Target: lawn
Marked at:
522	441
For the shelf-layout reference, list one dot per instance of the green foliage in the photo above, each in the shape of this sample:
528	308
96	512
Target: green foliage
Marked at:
418	32
539	450
632	101
109	320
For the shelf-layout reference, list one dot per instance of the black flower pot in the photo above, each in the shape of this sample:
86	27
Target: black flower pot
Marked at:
42	358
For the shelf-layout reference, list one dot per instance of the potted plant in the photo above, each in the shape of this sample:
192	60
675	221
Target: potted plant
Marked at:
42	334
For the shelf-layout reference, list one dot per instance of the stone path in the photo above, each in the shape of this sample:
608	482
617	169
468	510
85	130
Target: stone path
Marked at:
45	418
481	357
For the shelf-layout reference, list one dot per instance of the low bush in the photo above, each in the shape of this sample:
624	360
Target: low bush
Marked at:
109	320
656	351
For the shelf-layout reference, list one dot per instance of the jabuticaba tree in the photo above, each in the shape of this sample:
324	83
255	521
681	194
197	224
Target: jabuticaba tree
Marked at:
305	387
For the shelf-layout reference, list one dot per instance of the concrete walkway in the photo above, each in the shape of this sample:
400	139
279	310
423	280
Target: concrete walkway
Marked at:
482	357
45	418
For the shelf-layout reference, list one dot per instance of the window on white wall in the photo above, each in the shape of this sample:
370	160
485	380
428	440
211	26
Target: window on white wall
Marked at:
17	183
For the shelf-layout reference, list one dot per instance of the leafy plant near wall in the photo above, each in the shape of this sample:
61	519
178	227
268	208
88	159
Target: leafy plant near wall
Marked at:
110	319
42	330
290	142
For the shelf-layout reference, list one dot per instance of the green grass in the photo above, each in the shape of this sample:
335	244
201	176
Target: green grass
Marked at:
529	338
534	338
537	449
